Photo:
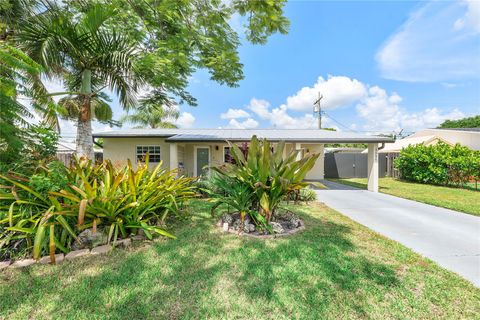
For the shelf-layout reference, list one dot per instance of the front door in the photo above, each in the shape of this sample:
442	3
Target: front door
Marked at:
202	159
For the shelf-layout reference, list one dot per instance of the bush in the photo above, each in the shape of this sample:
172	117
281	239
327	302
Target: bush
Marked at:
259	179
439	164
305	194
122	201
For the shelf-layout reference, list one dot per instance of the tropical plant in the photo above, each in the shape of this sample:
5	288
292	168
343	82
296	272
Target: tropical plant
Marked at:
16	73
305	194
267	176
121	201
86	54
151	115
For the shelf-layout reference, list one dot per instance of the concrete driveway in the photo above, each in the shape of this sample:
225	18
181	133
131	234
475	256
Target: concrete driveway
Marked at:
450	238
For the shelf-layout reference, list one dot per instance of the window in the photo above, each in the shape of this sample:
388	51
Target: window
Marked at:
227	155
152	151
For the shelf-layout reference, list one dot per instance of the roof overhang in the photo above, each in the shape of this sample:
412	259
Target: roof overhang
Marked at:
236	135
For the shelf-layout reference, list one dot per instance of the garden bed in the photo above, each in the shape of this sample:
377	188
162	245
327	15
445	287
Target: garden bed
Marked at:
283	224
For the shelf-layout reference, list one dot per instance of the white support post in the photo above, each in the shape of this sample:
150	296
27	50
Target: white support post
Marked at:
373	167
173	156
298	146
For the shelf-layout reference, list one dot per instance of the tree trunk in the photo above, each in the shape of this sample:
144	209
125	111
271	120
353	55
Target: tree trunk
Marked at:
84	138
84	124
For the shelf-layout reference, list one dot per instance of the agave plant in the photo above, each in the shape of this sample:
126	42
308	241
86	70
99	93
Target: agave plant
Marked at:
268	175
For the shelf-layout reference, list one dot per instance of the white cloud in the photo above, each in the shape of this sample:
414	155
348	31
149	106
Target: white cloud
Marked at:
185	120
279	117
235	114
383	113
247	124
260	108
337	91
439	42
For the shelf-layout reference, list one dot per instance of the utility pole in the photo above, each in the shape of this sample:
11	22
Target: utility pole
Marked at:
318	109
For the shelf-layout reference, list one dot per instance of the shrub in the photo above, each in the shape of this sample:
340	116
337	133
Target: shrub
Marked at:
120	200
439	164
305	194
259	179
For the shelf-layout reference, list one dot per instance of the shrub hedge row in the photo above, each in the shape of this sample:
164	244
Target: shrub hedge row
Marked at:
439	164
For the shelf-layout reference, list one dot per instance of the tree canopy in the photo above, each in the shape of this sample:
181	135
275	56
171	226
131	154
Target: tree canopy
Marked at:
125	45
470	122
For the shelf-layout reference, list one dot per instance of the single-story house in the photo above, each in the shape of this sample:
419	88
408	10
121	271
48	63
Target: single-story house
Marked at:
190	150
466	137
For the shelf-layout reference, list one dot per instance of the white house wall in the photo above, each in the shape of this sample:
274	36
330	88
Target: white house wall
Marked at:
118	150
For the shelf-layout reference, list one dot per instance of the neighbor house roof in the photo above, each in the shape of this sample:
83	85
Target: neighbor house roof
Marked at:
405	142
294	135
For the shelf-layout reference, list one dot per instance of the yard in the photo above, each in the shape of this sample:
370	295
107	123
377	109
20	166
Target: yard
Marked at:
464	200
334	269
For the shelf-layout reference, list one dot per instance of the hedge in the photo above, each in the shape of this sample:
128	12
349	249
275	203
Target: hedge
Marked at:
439	164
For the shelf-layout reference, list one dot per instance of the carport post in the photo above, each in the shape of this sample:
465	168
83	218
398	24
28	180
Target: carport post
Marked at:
298	146
373	167
173	156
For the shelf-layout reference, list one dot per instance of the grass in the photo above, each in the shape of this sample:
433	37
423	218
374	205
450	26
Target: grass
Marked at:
335	269
463	200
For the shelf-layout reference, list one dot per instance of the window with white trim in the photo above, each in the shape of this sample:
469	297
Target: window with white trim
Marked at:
152	151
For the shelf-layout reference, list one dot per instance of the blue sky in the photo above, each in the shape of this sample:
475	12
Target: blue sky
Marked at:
382	66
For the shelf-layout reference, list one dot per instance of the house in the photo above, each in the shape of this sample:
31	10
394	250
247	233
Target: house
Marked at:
190	150
67	149
466	137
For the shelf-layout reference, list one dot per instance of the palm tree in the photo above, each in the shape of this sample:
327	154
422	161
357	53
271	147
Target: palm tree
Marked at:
87	55
152	116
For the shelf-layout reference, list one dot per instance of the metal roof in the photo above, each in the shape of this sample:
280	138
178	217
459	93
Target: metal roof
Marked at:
211	135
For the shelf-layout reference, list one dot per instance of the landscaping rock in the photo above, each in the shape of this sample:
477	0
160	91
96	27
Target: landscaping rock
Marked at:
124	242
87	239
4	264
227	218
225	226
58	259
277	227
101	249
78	253
139	237
251	227
23	263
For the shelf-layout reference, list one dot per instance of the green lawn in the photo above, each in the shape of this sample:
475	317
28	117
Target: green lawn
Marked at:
464	200
335	269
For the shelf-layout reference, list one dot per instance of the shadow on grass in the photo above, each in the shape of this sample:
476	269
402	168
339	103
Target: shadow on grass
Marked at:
206	274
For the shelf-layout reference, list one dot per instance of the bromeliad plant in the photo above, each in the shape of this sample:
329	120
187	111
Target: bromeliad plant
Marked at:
268	176
121	201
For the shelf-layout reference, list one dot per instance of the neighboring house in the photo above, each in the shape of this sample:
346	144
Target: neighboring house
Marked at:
190	150
466	137
66	150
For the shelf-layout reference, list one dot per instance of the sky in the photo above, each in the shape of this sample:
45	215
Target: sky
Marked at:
381	66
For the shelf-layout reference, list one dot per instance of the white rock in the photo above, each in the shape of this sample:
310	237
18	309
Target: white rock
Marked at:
225	226
124	242
23	263
4	264
58	259
78	253
101	249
